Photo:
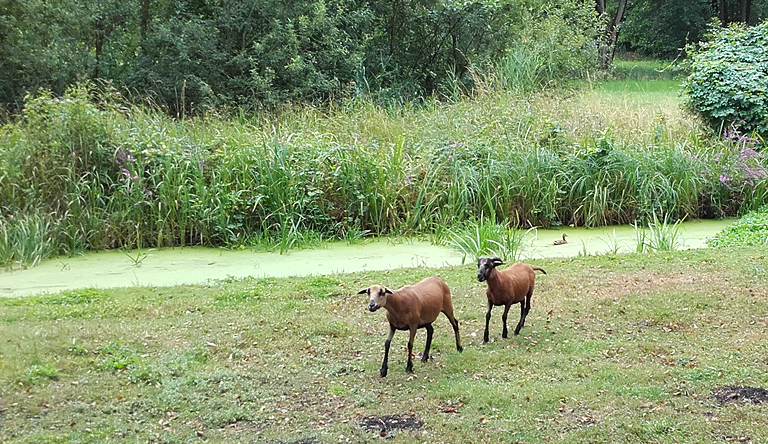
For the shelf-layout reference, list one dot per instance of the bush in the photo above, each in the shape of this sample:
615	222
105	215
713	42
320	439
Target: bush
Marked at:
752	229
555	47
729	80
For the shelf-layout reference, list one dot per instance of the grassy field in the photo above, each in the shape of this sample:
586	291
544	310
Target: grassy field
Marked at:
620	349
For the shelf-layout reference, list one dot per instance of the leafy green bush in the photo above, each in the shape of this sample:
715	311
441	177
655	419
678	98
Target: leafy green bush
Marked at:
751	229
557	45
728	84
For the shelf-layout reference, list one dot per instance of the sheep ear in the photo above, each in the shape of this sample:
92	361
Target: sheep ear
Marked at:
497	262
387	290
364	291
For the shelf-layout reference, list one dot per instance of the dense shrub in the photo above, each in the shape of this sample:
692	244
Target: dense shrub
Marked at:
556	45
728	84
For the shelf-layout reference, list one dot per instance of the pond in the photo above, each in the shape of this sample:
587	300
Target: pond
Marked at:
196	265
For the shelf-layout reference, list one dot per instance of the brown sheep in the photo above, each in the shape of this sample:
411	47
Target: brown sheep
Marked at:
410	308
507	287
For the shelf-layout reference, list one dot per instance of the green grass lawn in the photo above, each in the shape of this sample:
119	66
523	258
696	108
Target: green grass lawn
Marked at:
617	349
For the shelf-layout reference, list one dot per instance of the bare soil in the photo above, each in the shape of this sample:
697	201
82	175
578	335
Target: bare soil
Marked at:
734	393
388	423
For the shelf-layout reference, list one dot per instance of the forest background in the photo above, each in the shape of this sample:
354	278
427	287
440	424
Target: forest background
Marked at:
193	56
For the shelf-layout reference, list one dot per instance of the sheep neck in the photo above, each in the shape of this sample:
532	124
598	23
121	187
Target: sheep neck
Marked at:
397	307
494	277
395	302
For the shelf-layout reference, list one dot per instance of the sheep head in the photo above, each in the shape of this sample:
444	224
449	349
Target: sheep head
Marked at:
377	295
485	265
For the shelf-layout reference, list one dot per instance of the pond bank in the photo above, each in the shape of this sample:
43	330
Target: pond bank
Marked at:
196	265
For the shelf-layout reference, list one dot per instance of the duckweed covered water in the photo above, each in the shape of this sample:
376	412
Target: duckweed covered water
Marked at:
198	265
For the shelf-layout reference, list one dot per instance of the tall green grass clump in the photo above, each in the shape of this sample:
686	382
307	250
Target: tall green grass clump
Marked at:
661	235
484	238
85	171
24	240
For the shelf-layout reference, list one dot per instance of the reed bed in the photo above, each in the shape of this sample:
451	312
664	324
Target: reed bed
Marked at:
85	171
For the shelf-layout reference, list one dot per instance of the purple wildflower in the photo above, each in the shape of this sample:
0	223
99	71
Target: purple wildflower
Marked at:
749	153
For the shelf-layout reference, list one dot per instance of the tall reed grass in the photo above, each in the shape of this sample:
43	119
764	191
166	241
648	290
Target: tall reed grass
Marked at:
483	237
85	171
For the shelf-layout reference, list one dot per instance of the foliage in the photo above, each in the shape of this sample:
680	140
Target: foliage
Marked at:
556	46
195	57
728	84
87	171
662	28
750	229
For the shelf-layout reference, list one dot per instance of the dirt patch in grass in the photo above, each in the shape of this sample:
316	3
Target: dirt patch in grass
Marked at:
754	395
384	425
302	441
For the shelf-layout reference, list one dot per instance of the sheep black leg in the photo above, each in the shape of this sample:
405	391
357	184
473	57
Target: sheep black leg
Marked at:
409	366
425	356
487	320
504	333
387	343
523	312
455	325
525	307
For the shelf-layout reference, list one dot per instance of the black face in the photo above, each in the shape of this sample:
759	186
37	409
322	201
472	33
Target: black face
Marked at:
485	265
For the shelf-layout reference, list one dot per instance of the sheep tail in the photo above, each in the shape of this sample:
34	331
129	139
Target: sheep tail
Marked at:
540	269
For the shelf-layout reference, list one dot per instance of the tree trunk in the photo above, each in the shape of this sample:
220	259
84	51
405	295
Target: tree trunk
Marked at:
606	43
98	47
723	10
144	24
746	9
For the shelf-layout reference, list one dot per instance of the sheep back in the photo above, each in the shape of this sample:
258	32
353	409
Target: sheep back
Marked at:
425	300
515	282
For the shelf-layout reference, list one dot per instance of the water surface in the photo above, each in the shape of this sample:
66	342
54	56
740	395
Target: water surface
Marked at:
195	265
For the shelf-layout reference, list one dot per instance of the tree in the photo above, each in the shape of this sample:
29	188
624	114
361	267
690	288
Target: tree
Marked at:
609	34
729	11
661	28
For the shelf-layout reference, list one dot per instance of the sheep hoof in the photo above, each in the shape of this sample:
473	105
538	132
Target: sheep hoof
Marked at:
460	349
383	373
424	358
